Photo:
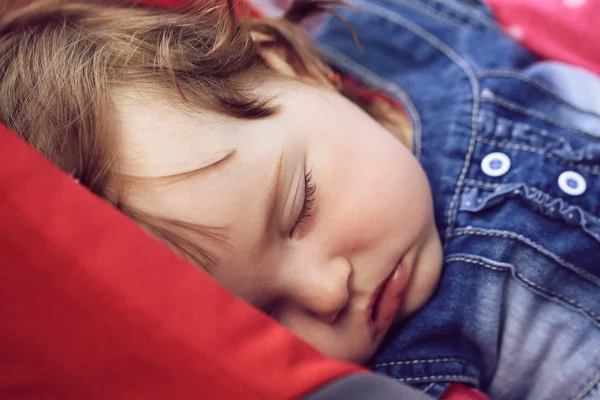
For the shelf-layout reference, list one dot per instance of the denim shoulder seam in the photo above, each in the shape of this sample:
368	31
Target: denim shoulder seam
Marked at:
366	76
489	97
538	85
540	290
511	235
469	72
508	145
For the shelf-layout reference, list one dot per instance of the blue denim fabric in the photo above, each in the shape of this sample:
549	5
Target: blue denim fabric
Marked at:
517	311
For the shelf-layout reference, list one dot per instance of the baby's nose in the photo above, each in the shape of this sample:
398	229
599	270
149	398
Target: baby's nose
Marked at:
322	289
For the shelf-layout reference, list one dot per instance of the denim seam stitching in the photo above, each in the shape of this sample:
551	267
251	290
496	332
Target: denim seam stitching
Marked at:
482	183
471	12
550	294
514	107
432	12
464	378
428	387
435	13
420	361
588	387
541	87
462	64
592	170
375	80
478	262
569	300
509	235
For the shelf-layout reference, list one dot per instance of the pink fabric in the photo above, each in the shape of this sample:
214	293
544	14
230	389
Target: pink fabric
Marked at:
563	30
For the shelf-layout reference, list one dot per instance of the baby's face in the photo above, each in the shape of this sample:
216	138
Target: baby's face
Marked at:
320	270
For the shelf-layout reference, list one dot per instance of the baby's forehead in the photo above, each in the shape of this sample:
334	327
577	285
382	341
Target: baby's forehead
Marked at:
159	137
182	158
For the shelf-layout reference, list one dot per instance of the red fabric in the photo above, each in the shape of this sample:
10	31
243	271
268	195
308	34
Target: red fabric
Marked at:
93	308
458	391
563	30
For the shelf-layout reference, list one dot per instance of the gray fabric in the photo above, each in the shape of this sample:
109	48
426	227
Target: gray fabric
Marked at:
367	387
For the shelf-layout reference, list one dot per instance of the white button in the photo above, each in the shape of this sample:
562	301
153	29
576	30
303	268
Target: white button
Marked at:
495	164
572	183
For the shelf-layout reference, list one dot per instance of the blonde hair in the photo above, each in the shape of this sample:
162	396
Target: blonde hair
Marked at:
61	61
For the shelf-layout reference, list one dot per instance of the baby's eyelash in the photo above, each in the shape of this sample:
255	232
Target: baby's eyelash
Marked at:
309	198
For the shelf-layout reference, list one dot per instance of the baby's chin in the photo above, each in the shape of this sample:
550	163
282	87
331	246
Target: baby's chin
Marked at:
352	354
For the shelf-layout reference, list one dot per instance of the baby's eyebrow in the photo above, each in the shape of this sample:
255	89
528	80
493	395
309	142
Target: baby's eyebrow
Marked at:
170	179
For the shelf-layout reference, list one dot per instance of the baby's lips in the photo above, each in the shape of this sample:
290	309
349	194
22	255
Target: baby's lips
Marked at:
388	301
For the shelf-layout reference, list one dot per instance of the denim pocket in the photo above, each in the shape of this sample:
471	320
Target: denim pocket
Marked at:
539	259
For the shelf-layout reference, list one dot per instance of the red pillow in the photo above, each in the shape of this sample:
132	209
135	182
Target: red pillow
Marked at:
91	307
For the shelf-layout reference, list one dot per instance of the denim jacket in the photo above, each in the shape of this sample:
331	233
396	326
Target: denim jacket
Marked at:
511	147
